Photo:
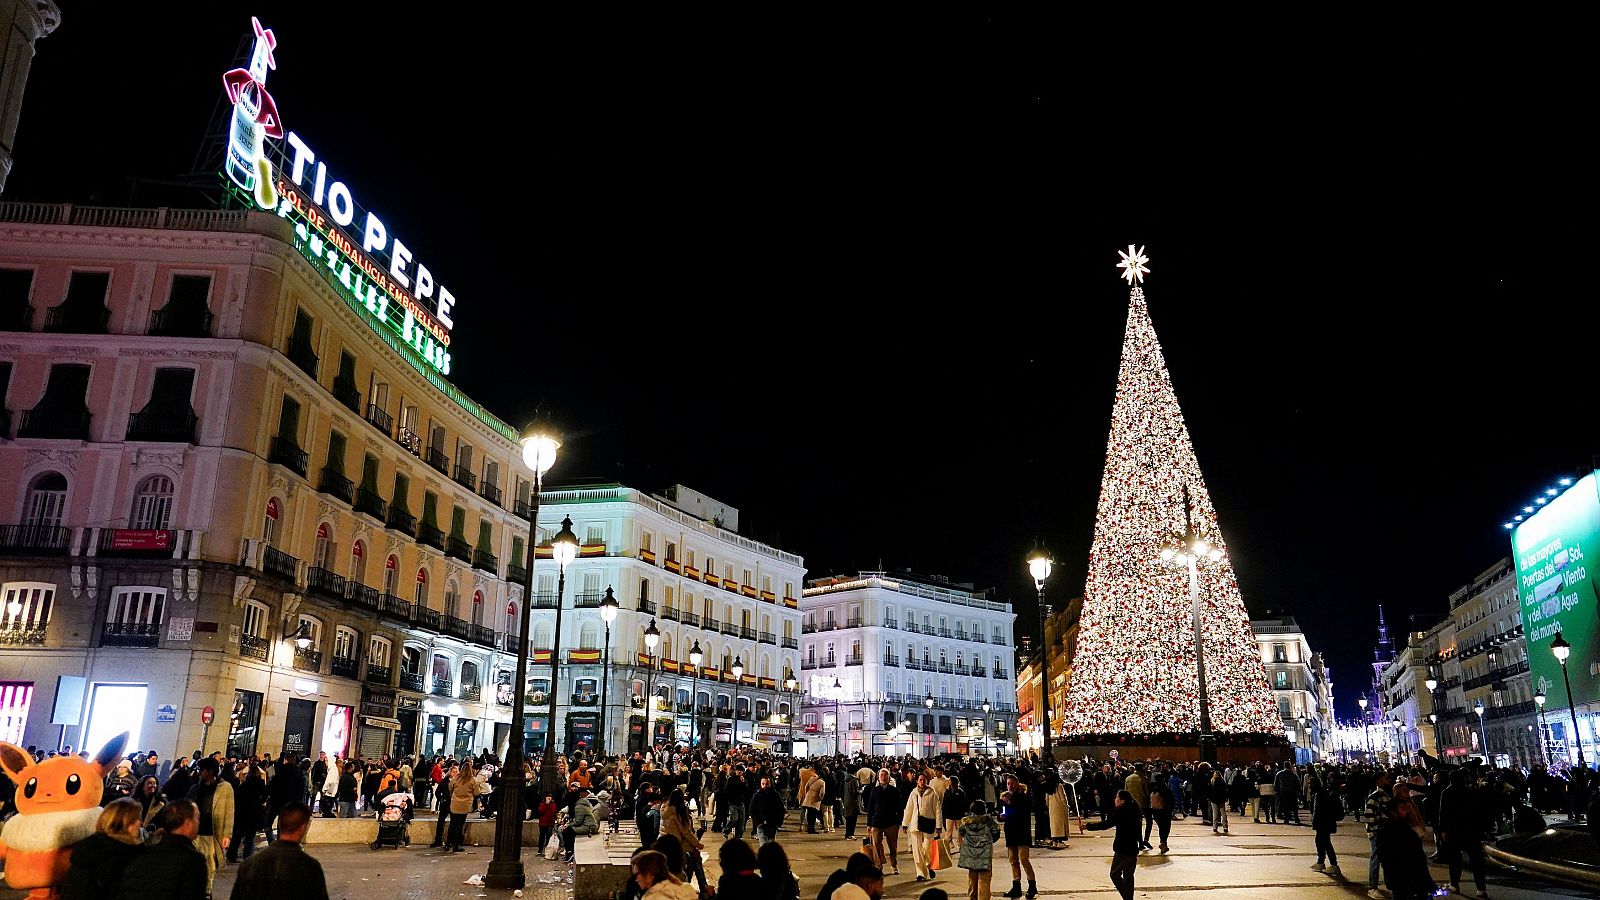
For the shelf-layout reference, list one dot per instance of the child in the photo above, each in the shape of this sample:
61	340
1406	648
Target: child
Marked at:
978	833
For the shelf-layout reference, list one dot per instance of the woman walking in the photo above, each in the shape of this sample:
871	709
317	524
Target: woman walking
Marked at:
463	793
1326	811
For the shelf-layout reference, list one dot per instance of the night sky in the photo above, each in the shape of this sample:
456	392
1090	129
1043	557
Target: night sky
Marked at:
857	277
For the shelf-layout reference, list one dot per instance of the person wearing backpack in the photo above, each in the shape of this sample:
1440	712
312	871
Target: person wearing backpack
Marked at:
1326	811
978	832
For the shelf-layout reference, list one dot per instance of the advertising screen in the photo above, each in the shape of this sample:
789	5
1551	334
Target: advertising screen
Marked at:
1552	550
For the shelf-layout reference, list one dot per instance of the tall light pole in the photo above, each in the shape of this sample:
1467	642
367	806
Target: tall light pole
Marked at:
1399	739
1544	734
1432	684
1365	731
1189	550
988	733
928	702
564	547
1039	566
1562	649
1483	735
738	682
836	694
696	657
608	614
652	637
539	445
792	688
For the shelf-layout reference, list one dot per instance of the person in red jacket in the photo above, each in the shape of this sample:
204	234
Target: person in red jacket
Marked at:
547	820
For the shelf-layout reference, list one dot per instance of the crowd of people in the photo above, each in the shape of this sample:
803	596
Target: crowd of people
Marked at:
174	824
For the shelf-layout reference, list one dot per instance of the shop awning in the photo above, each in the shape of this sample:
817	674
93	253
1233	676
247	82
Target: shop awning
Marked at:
381	722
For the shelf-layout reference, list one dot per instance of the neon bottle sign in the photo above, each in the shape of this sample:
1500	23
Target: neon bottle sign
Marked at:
374	270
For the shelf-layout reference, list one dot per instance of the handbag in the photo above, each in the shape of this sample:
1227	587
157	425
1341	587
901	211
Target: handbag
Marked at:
926	825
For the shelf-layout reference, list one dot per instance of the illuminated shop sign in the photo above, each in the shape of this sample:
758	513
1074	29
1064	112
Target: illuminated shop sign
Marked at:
373	269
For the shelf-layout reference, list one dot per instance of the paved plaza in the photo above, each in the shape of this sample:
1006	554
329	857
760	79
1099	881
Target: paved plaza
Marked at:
1255	862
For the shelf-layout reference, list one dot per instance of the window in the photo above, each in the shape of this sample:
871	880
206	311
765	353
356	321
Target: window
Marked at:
788	589
269	522
469	673
152	504
672	551
1281	679
411	660
644	591
47	501
378	650
477	607
748	578
336	444
1279	653
26	605
421	598
345	641
358	562
15	696
15	286
135	606
322	555
595	534
543	636
391	573
256	616
289	420
766	583
452	597
644	540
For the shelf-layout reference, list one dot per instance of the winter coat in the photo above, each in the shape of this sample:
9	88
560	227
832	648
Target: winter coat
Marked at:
667	889
679	827
98	862
1461	814
463	793
978	834
1127	821
283	869
583	820
811	794
766	808
1326	810
923	803
170	870
1016	819
1060	813
884	806
852	797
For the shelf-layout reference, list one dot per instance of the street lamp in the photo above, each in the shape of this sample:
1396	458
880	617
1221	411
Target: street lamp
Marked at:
1544	740
928	702
608	614
540	442
1399	742
738	682
1482	735
696	657
838	694
1188	551
988	734
1039	566
792	688
1365	730
652	637
1433	719
564	548
1562	650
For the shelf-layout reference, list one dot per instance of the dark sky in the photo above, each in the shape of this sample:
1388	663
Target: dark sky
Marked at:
856	276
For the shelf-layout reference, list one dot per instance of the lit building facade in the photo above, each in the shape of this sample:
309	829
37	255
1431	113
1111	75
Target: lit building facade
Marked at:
1299	685
1061	643
211	459
674	561
890	642
1491	661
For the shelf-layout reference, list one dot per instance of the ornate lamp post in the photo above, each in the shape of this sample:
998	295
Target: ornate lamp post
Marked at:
539	445
792	688
988	735
1189	551
837	692
738	682
1367	732
564	548
1482	735
696	657
1562	649
1432	684
652	637
608	614
1399	738
1544	738
1039	566
927	701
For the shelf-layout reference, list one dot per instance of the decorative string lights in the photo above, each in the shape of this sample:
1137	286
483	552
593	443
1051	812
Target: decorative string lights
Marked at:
1135	670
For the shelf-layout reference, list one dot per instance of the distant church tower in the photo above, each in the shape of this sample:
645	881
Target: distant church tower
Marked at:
1382	655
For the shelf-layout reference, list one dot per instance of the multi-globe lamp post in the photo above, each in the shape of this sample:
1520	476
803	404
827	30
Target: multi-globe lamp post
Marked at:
1039	566
792	688
540	442
1432	684
1189	551
738	682
652	637
1561	649
988	733
608	614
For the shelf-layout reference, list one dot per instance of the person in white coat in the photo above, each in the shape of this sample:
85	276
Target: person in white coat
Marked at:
922	822
330	783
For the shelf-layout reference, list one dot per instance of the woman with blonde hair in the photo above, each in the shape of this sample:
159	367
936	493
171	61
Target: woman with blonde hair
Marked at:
654	877
99	860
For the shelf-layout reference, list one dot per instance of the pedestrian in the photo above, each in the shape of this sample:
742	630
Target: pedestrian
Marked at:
120	783
444	808
1161	804
150	800
1061	815
330	788
852	805
978	833
250	813
1286	787
1126	845
1326	811
922	822
1266	799
98	861
678	822
777	876
286	786
884	809
1378	809
1462	821
547	819
1405	867
1014	812
283	868
739	879
811	794
463	793
767	812
583	823
214	797
1217	798
170	869
653	875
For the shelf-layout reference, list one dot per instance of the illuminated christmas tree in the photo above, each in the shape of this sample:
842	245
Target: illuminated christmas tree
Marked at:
1135	671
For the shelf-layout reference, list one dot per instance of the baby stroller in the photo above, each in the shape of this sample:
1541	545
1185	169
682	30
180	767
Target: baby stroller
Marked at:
394	821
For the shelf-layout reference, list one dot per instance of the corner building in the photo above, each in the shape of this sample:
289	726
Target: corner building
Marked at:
207	454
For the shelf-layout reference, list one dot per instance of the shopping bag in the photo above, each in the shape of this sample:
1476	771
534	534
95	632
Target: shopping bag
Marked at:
935	862
553	850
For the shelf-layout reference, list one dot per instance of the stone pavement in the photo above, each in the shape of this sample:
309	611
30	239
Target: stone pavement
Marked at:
1255	862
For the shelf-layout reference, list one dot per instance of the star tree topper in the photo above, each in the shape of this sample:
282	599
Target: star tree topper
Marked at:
1133	265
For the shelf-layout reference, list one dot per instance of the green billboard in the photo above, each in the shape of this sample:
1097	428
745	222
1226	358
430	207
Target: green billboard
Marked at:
1552	548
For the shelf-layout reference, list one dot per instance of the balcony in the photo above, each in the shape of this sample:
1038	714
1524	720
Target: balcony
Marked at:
998	672
483	635
545	600
299	353
285	452
944	632
423	617
946	668
807	665
443	687
891	661
328	584
830	662
915	665
35	540
689	618
808	628
669	613
891	623
853	622
395	608
979	638
378	674
999	641
333	483
430	535
960	635
980	672
130	634
648	607
180	322
252	647
465	478
962	670
524	510
853	660
308	660
412	681
19	635
458	548
408	440
912	627
276	562
767	637
455	627
345	668
346	392
490	492
790	643
401	521
516	574
730	629
710	624
483	559
77	319
163	426
588	600
368	501
365	597
380	419
829	625
472	693
54	423
746	632
436	458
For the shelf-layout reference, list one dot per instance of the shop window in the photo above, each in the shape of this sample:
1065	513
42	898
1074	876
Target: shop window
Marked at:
15	698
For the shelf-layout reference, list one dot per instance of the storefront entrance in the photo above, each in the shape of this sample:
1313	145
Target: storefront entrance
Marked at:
298	723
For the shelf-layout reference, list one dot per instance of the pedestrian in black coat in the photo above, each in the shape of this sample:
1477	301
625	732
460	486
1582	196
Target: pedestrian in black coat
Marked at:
172	869
283	869
1126	819
99	860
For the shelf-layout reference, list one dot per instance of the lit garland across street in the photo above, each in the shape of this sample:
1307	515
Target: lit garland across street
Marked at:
1134	672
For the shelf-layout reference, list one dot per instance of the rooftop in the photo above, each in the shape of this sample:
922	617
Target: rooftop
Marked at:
924	586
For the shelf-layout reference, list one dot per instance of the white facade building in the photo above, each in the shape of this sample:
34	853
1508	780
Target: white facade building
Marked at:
701	584
875	646
1297	677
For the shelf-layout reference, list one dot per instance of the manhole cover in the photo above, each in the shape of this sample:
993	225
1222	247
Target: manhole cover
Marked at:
1261	847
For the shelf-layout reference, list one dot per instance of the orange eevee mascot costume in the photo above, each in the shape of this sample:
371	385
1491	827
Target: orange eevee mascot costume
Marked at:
58	804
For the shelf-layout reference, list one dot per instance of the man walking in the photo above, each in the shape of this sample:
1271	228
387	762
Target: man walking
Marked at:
1286	788
1377	810
1460	829
214	797
283	869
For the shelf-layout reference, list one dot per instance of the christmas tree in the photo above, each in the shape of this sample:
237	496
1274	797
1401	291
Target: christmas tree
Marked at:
1135	670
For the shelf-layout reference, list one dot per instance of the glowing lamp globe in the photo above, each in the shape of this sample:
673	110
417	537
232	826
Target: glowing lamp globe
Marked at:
987	707
302	637
564	546
696	655
1362	702
608	607
738	668
1040	564
1432	683
539	445
928	701
789	684
1478	708
1560	647
1539	699
652	636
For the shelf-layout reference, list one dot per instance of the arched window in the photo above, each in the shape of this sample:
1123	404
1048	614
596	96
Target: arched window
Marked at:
47	500
542	636
391	574
422	588
269	521
666	647
378	650
323	555
477	607
358	562
761	711
314	626
589	637
766	665
152	504
452	597
345	642
443	682
513	621
469	673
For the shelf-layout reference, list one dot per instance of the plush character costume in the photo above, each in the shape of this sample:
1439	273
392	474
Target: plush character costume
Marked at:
58	804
